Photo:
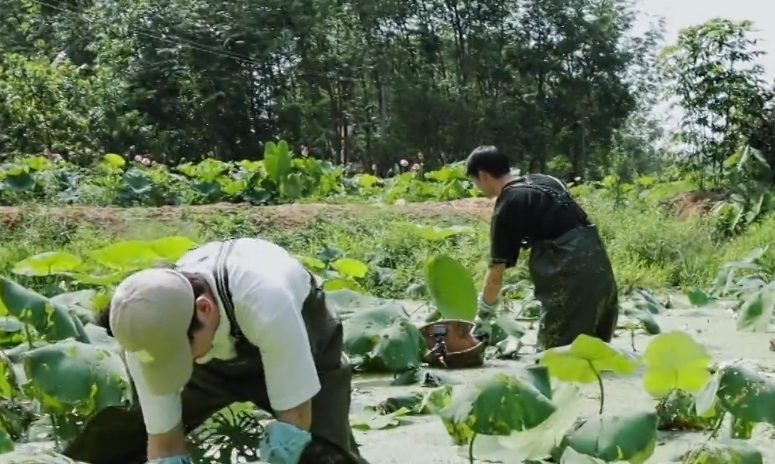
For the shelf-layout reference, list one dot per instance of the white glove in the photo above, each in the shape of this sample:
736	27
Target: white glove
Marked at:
484	309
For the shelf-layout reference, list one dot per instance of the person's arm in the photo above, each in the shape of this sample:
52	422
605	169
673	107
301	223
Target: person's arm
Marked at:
162	415
274	324
507	230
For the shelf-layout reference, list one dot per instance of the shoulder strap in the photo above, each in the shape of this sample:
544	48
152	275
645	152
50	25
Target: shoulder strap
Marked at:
222	287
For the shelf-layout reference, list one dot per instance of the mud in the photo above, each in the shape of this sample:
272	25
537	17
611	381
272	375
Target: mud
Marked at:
279	216
425	440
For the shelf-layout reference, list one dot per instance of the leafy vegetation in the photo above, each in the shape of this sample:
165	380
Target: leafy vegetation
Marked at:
512	418
374	104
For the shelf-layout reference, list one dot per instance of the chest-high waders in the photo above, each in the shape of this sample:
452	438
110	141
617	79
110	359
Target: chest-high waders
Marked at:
117	435
573	279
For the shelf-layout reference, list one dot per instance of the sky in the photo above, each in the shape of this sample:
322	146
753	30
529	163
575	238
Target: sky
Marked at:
680	14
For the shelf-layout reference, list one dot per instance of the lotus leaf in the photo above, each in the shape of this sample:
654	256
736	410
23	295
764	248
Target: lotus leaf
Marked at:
382	339
96	377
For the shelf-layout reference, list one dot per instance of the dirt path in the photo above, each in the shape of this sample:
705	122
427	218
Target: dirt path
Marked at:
286	216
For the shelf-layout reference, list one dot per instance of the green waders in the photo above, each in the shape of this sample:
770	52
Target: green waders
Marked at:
573	280
117	435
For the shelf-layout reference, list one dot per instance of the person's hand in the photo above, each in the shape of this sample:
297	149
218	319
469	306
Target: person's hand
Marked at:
483	309
179	459
283	443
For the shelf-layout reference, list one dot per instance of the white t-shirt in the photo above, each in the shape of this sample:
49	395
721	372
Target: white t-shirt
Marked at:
268	288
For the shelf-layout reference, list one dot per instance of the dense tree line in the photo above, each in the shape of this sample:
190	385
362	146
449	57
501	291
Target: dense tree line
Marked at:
560	84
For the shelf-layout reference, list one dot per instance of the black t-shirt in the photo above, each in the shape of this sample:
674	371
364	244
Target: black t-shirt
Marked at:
525	213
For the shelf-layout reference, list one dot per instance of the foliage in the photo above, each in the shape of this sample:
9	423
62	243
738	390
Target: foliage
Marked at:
529	414
349	82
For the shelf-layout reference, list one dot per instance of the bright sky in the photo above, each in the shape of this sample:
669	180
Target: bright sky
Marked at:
679	14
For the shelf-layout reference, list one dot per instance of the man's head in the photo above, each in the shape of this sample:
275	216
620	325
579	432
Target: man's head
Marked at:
489	169
167	319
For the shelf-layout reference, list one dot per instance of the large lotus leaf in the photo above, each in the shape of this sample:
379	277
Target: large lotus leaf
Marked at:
70	374
382	339
452	288
631	437
48	263
584	359
496	405
674	360
746	394
537	442
346	301
171	248
81	303
127	255
50	321
723	452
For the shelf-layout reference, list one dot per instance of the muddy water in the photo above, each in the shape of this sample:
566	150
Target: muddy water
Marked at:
425	440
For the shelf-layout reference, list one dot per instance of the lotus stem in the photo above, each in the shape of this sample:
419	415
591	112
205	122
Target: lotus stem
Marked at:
600	384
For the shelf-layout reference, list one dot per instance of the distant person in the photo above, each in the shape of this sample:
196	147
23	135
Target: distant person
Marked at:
568	263
234	320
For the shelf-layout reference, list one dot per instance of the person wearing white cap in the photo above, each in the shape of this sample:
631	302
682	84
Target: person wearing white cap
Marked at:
235	320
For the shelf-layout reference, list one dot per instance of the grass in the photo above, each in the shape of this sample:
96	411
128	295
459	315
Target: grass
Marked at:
648	248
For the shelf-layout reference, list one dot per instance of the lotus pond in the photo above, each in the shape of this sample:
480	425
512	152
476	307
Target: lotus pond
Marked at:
686	381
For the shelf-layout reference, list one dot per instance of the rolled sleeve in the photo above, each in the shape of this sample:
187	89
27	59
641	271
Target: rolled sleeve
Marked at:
161	413
281	336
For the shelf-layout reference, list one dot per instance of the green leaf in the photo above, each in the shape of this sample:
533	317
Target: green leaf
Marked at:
48	263
384	339
332	285
113	160
277	161
451	288
96	377
171	248
745	393
126	256
49	320
310	263
645	318
364	421
8	384
537	442
699	297
496	405
435	233
631	437
755	314
6	443
579	361
350	268
675	360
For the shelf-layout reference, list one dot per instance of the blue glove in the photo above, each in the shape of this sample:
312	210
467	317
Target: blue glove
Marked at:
283	443
179	459
485	310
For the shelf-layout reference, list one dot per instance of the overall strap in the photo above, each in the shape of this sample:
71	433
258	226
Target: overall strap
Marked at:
562	196
222	288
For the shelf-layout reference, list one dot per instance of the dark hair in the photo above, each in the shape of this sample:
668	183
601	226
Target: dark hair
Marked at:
197	283
487	158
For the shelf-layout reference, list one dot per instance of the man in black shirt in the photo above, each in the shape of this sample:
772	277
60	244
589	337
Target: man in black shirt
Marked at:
568	263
